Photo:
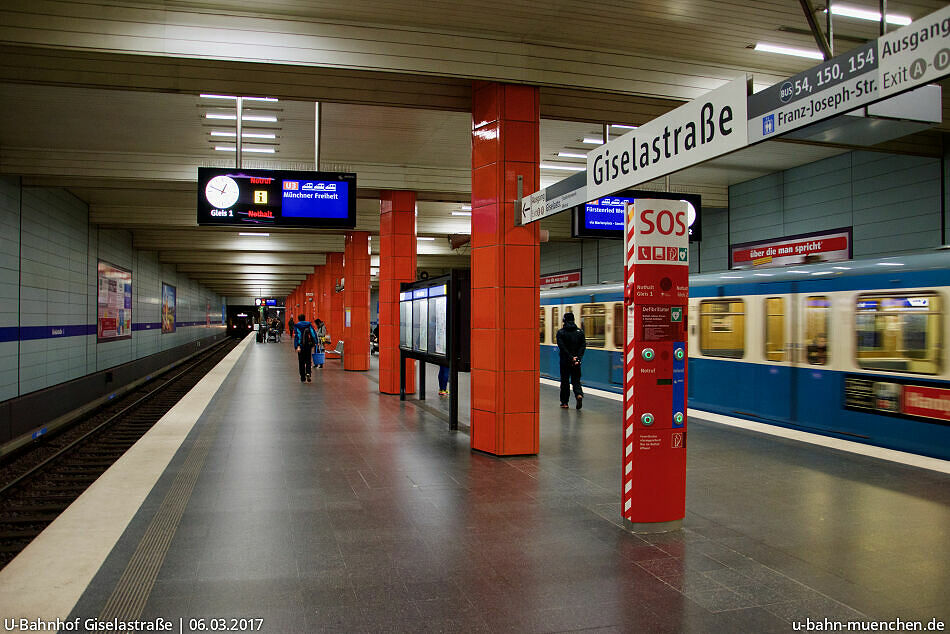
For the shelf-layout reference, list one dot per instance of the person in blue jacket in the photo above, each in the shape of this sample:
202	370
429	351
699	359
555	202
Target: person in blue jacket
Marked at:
305	341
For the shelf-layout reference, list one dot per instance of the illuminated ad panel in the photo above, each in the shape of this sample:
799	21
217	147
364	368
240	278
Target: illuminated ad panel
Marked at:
249	198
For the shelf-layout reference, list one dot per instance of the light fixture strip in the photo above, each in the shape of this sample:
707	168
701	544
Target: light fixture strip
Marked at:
867	14
563	168
461	213
571	155
788	50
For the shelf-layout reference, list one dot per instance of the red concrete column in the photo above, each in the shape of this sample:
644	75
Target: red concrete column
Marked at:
333	308
356	301
505	270
397	263
316	308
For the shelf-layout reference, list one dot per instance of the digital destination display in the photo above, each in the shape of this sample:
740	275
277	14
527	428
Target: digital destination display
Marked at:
603	218
230	197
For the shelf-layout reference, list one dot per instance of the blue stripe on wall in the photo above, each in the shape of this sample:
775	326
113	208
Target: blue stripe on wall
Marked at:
31	333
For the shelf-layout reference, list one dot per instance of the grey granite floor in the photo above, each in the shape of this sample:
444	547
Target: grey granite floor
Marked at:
329	507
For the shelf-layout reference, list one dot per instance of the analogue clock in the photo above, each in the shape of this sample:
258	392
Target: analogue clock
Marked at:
222	192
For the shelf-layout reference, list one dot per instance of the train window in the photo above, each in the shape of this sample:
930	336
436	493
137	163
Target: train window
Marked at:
722	328
775	329
618	326
594	324
555	323
541	324
817	310
899	333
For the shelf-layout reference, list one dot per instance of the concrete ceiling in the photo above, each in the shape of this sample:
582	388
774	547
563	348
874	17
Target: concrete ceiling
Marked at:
124	128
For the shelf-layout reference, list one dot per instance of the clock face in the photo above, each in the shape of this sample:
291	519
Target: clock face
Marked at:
222	192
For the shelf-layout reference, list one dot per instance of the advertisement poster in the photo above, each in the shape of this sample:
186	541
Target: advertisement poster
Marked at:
114	317
805	248
168	308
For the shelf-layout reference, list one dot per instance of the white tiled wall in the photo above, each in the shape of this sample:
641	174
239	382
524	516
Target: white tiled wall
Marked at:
48	272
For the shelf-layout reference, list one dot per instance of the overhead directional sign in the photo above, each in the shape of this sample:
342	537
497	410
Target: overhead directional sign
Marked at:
712	125
695	132
912	56
833	87
560	196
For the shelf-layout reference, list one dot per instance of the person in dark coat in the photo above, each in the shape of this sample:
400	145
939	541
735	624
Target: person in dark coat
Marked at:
571	345
305	341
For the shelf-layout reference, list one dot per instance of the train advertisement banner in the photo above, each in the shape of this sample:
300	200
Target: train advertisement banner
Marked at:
114	314
897	397
169	293
804	248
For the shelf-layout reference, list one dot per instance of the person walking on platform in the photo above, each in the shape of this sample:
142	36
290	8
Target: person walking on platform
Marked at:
322	336
305	341
571	345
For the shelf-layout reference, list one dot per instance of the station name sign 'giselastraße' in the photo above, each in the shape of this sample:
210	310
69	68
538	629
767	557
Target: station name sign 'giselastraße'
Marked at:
702	129
247	198
909	57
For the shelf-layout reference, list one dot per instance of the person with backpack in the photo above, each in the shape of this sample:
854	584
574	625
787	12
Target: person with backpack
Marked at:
305	341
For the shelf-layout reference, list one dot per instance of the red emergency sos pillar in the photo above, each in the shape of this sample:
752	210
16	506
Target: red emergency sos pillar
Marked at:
656	294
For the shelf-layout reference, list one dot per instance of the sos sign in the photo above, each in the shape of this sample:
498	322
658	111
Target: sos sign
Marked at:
660	230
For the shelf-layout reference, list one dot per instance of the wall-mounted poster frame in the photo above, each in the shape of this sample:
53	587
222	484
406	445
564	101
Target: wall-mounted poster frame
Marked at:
114	303
169	307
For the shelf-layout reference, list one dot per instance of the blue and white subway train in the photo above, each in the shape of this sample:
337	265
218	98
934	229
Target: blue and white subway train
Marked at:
856	350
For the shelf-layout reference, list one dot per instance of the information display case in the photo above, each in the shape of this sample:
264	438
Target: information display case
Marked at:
434	327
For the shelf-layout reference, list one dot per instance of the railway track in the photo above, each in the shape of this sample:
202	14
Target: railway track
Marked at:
36	486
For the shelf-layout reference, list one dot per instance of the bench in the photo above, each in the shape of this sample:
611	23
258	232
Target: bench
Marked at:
337	351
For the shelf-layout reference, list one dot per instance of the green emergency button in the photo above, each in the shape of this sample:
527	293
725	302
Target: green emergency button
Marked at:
678	417
648	354
647	419
679	354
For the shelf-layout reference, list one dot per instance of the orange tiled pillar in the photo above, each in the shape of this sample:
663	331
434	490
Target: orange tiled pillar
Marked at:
356	301
333	306
505	270
397	264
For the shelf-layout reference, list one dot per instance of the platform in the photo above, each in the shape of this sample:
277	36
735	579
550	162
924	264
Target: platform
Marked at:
330	507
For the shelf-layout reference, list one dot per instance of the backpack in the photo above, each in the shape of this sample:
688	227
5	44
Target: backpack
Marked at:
306	338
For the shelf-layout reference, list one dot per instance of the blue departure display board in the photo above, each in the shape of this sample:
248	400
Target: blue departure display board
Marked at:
249	198
603	218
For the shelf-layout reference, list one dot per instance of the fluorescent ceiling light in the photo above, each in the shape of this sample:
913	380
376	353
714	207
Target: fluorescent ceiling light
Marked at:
565	168
805	272
244	135
823	273
259	235
209	96
571	155
842	268
867	14
593	141
461	213
730	277
466	207
764	274
788	50
889	264
258	150
623	127
246	117
424	238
